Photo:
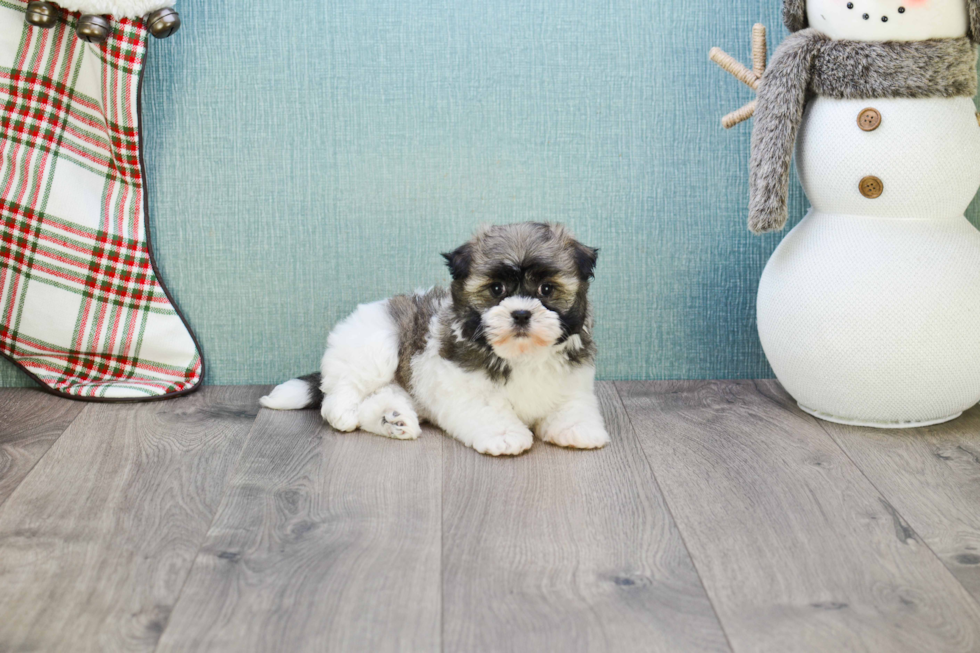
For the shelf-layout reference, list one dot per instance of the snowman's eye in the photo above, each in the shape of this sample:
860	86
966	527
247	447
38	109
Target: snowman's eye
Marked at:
850	5
901	10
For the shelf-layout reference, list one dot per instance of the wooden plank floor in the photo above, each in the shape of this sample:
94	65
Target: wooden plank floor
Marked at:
30	422
98	539
721	518
795	546
561	550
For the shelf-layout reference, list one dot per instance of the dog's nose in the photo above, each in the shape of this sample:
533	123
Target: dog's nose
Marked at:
521	318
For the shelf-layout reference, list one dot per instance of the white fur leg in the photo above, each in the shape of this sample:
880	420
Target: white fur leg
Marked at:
490	429
291	395
502	440
467	405
389	412
578	424
341	409
361	357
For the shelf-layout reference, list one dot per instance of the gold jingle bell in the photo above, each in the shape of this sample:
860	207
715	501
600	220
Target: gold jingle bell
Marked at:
42	14
163	22
93	29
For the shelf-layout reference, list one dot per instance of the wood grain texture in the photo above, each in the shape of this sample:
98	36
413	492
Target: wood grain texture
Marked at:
562	550
30	422
798	551
97	541
324	542
932	477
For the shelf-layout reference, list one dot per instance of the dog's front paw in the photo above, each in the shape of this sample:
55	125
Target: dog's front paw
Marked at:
341	416
510	441
577	436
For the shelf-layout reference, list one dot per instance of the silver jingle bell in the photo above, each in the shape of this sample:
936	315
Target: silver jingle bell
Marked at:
42	14
163	22
93	29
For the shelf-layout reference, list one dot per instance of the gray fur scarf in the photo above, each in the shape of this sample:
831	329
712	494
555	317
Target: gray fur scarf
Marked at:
809	63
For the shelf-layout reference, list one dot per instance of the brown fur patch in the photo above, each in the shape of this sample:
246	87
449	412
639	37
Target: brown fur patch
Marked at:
412	315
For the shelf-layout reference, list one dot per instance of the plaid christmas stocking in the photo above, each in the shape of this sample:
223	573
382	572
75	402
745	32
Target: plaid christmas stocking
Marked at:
82	309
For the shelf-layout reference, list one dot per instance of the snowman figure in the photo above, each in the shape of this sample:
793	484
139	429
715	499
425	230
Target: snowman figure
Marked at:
869	310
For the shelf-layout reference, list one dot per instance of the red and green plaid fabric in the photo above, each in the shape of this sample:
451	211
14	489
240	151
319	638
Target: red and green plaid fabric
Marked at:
81	307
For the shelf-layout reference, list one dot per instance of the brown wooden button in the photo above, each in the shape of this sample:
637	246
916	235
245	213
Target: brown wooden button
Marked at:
869	120
872	187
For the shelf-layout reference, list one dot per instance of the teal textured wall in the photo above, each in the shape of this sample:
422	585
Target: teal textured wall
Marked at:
304	157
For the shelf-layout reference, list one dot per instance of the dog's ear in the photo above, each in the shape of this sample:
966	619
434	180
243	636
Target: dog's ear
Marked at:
585	260
459	261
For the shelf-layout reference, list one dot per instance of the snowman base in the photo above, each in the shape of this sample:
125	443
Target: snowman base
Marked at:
872	321
877	425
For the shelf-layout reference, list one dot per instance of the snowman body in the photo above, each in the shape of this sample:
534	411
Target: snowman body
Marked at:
869	310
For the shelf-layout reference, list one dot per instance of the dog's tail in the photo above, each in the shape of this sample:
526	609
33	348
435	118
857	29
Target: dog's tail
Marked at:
296	394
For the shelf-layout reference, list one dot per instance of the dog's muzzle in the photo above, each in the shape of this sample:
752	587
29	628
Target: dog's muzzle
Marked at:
520	325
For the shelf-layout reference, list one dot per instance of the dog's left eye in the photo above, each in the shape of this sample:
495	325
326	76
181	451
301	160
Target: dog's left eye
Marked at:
547	290
497	289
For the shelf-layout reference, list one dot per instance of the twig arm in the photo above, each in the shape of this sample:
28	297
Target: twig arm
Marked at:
751	78
737	70
760	50
739	116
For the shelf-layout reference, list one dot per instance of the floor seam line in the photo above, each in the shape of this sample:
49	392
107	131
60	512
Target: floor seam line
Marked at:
670	513
207	531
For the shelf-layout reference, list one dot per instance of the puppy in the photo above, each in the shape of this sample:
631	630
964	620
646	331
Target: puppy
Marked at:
505	354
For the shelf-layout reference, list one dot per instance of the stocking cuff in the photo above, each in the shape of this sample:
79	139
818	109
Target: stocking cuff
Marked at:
115	8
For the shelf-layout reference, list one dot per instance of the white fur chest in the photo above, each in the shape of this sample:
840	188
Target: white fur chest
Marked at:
536	388
533	390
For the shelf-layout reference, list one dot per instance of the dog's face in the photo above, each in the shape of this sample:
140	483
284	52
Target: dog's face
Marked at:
522	288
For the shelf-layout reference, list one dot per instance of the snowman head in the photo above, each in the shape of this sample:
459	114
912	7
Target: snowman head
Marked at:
886	20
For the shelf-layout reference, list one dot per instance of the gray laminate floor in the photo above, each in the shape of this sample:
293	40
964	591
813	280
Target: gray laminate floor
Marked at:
721	518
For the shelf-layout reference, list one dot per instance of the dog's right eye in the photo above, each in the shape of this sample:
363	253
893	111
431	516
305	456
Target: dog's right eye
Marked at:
497	289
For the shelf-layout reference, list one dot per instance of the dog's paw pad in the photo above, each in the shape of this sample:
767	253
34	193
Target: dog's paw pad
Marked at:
578	437
401	426
508	443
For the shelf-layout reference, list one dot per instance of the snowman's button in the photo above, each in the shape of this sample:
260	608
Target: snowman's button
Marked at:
869	120
872	187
